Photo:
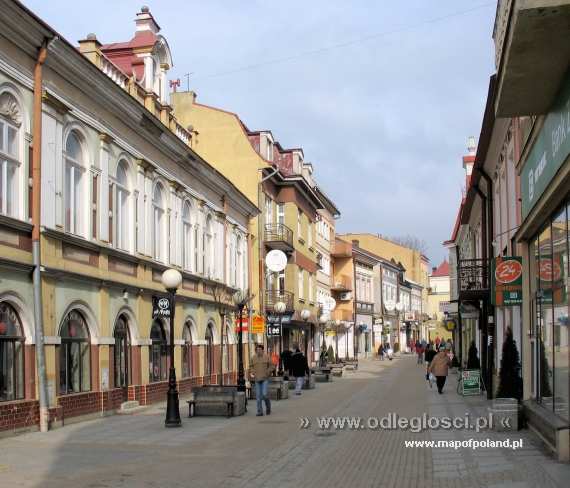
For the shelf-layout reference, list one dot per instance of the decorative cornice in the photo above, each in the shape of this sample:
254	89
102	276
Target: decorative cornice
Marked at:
105	138
55	103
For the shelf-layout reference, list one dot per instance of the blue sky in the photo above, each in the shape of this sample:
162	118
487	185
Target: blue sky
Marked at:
383	112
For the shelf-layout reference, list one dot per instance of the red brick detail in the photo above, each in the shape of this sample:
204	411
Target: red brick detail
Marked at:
19	414
80	403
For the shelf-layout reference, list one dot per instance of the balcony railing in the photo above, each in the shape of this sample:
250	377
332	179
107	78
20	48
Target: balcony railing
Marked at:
341	283
274	296
278	236
364	307
473	276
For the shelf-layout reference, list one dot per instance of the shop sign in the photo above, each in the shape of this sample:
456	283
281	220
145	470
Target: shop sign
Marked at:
506	281
274	319
160	307
449	324
257	324
550	271
330	333
549	151
470	382
377	329
273	330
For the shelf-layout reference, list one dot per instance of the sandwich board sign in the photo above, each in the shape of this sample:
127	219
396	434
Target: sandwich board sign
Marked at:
470	382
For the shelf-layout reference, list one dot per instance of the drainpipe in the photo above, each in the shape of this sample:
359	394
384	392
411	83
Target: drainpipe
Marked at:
36	251
491	254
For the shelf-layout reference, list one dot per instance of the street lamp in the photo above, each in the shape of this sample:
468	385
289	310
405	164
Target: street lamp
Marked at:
241	299
305	314
279	308
171	280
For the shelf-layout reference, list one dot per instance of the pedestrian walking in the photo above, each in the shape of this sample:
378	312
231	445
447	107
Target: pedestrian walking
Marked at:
420	354
439	367
381	352
428	356
260	368
299	368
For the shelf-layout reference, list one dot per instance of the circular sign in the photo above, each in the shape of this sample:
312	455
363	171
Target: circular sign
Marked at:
163	304
276	260
508	271
329	304
549	271
390	305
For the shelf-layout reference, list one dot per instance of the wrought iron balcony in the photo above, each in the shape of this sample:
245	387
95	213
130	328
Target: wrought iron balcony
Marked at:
473	278
278	236
274	296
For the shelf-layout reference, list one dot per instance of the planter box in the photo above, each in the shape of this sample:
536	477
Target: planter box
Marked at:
505	412
321	377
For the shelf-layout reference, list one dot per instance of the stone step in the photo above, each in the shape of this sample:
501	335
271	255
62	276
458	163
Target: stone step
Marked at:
130	407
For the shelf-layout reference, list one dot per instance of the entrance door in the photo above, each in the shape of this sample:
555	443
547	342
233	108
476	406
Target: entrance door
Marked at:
122	356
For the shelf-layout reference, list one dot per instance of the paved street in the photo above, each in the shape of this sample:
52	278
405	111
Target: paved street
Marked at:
136	450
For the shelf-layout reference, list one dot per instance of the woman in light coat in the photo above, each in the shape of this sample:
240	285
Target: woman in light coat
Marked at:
439	367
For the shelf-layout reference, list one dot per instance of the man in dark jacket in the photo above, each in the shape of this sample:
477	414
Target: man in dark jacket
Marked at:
299	367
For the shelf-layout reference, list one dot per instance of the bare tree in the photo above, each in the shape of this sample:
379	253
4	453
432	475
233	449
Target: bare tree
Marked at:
412	242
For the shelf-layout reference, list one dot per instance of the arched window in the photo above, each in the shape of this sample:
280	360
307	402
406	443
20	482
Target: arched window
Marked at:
10	153
207	247
74	175
239	263
121	353
209	356
11	354
158	212
158	352
187	369
74	356
187	236
122	194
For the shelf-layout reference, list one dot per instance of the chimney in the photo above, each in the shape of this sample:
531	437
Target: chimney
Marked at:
90	47
145	22
469	160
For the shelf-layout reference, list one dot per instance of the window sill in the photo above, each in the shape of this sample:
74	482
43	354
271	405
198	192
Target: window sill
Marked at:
301	300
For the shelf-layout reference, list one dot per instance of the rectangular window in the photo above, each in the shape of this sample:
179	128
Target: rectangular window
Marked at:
309	234
281	213
268	210
299	224
310	287
300	278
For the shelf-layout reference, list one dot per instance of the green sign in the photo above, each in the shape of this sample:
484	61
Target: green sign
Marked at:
506	281
550	150
470	382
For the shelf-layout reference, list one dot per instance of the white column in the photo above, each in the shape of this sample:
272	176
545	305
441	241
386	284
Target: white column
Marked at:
148	72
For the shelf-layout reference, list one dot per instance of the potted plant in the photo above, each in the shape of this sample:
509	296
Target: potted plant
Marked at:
506	408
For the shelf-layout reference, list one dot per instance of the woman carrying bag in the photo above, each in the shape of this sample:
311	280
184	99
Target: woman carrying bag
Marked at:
439	367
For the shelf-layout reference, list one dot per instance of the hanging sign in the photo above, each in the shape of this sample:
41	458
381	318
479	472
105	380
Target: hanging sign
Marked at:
257	324
506	281
160	307
273	330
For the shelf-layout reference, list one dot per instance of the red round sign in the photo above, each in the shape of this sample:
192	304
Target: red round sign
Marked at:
549	271
508	271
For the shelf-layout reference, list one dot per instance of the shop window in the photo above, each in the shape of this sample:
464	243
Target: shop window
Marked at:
158	353
11	354
121	353
74	355
187	369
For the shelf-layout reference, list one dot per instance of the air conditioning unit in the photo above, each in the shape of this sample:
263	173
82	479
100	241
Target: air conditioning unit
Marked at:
347	295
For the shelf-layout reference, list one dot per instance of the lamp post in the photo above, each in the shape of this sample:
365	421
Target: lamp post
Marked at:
323	319
241	300
171	280
305	314
279	308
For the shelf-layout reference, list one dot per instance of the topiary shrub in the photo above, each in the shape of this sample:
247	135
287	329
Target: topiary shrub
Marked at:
510	381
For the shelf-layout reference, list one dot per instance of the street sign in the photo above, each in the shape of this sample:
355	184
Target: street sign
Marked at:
330	333
257	325
242	324
470	382
273	330
507	281
160	307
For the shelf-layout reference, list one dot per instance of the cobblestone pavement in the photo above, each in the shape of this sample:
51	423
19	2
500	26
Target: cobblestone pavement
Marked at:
137	451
